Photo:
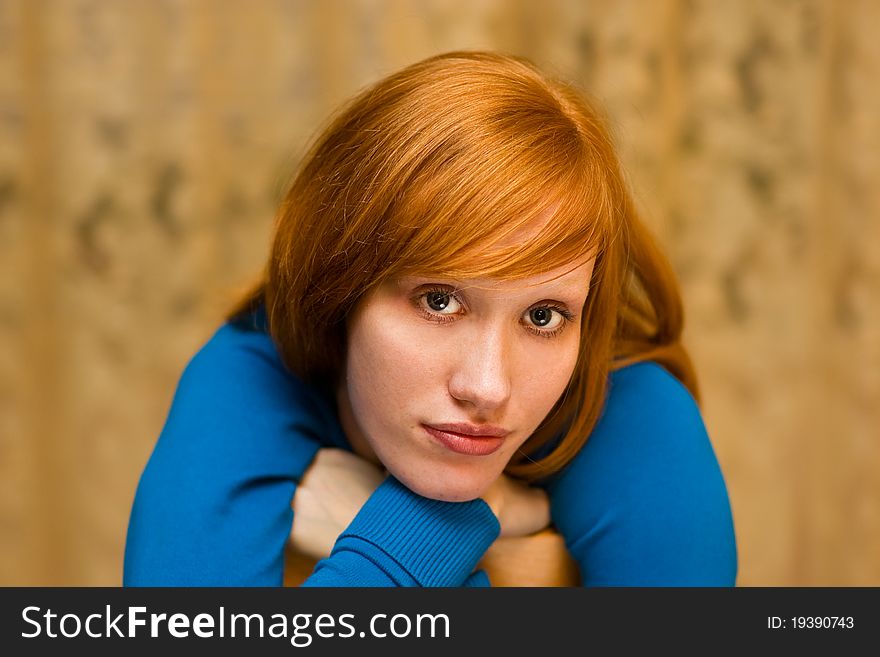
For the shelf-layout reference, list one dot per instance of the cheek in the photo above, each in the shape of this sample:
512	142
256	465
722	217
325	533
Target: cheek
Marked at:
542	377
388	365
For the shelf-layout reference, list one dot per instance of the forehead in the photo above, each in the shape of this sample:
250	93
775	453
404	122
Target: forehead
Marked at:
571	278
571	275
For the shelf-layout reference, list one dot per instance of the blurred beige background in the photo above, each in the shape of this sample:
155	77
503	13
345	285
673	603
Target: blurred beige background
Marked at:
145	144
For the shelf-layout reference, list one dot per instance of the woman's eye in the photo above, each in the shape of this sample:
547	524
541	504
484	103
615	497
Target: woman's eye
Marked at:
545	318
438	301
442	305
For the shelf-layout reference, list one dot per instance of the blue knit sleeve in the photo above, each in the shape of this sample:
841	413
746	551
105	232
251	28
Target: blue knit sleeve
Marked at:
644	502
212	507
400	538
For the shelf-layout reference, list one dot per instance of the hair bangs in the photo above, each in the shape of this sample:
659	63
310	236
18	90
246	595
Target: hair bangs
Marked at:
516	218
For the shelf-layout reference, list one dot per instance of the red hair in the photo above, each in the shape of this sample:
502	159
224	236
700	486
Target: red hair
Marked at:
443	160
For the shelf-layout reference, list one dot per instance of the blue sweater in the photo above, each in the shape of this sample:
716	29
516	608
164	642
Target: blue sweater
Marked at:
642	504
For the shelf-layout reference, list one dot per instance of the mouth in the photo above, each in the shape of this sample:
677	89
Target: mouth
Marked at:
471	444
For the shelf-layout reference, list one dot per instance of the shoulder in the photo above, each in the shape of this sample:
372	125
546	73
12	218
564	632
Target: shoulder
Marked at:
240	368
647	487
236	392
646	403
235	350
649	387
650	422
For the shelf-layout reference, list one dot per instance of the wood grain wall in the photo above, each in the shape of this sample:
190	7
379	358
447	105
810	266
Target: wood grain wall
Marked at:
144	146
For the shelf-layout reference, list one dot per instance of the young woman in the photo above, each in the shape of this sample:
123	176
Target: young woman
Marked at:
464	336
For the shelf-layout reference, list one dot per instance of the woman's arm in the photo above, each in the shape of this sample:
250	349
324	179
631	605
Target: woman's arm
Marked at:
213	504
644	502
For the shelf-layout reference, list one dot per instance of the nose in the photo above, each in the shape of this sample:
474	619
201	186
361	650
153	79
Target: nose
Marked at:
482	371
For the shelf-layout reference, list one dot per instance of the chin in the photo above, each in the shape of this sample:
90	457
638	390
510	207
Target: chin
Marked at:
447	489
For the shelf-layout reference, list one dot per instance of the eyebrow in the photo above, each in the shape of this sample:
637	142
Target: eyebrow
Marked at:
572	289
550	287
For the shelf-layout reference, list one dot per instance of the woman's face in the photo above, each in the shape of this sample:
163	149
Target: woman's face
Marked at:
431	362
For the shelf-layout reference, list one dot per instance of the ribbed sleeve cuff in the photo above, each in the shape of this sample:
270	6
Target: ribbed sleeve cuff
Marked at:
437	543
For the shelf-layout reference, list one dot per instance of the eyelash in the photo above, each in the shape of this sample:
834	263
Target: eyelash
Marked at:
566	314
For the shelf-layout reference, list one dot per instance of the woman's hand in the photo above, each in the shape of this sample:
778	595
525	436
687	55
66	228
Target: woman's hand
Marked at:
520	509
338	483
334	488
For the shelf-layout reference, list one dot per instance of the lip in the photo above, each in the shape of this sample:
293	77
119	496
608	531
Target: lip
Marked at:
469	444
471	430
